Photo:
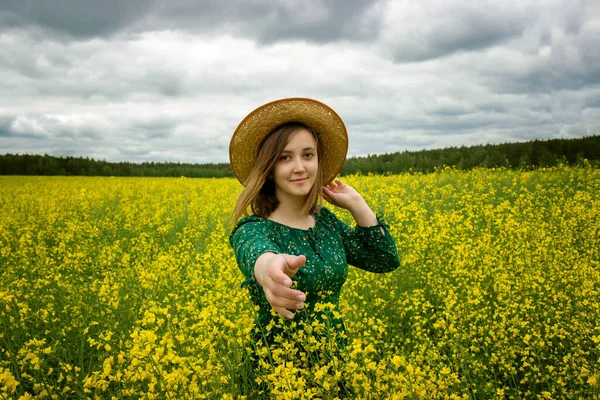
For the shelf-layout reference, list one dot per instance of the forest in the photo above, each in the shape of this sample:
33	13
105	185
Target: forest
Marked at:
523	155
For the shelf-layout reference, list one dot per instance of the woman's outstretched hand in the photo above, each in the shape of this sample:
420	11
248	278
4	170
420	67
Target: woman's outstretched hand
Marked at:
341	195
274	272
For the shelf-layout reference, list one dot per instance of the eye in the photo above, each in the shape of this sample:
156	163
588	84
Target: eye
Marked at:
284	158
309	155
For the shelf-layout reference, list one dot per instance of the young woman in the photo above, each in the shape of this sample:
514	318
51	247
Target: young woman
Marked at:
294	252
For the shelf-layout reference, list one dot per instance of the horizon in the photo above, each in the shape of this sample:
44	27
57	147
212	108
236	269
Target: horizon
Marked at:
348	158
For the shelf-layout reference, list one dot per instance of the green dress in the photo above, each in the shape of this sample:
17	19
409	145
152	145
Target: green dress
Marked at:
329	247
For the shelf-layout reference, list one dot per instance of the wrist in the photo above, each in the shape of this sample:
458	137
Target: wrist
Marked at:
359	208
261	265
364	216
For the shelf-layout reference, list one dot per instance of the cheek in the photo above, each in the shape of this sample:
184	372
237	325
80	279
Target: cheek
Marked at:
279	170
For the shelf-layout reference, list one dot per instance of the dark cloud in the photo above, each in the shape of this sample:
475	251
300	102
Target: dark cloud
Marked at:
592	100
323	21
468	35
267	21
154	128
452	110
270	21
6	121
76	18
422	31
16	126
565	63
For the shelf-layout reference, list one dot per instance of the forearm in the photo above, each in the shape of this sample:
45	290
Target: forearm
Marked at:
371	248
363	215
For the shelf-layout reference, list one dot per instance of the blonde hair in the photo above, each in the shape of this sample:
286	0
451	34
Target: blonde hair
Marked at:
259	193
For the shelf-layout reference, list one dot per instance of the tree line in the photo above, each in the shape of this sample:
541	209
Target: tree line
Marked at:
525	155
31	164
533	154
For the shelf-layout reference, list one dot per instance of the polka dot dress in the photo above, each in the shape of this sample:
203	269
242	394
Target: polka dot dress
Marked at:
329	247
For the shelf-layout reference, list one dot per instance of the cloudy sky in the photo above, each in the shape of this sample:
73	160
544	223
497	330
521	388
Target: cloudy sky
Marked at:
170	80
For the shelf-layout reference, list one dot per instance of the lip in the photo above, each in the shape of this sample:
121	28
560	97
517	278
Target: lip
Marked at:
300	181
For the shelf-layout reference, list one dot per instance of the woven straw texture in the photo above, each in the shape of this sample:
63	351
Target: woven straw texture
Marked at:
326	123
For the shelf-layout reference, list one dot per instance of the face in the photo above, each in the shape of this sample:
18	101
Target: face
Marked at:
296	169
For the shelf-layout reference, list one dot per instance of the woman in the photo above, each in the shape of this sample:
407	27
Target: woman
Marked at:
293	252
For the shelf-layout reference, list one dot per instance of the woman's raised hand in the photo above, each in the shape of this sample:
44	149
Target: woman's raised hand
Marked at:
341	195
274	272
344	196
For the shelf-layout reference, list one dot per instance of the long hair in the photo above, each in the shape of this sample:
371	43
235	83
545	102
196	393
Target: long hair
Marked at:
259	193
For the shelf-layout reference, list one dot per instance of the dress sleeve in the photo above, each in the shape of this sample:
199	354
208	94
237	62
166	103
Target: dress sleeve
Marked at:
249	240
367	247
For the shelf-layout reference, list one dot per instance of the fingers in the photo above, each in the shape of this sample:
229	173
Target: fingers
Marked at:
328	195
280	277
284	299
334	186
293	263
289	267
278	291
286	293
283	312
338	182
292	304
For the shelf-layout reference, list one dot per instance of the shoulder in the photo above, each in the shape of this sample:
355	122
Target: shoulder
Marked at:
251	225
326	216
324	212
247	230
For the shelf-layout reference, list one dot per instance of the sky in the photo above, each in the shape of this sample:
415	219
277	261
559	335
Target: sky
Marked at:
169	81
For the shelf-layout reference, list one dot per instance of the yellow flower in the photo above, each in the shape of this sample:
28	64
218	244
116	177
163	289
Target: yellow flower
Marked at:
9	383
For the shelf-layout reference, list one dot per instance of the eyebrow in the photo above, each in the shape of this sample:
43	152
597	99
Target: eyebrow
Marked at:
304	149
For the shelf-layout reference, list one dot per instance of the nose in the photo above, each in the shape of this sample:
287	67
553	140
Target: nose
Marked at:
298	165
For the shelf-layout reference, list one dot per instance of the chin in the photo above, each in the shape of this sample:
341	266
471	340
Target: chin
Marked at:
302	193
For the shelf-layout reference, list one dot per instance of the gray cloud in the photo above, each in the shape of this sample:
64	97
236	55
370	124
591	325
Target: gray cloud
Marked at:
74	18
171	81
418	31
267	21
565	62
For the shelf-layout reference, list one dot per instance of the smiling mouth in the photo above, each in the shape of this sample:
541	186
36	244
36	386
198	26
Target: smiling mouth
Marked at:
299	180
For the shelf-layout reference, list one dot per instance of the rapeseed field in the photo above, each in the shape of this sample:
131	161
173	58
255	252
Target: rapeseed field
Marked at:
127	288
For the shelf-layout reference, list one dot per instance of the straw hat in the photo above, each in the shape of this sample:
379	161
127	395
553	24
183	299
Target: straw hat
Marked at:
325	122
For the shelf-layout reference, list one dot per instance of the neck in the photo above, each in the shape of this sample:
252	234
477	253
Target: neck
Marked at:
291	207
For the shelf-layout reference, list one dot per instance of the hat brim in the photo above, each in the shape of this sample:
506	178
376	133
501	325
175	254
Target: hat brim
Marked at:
326	123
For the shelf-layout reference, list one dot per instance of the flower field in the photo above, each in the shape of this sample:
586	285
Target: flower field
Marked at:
127	288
